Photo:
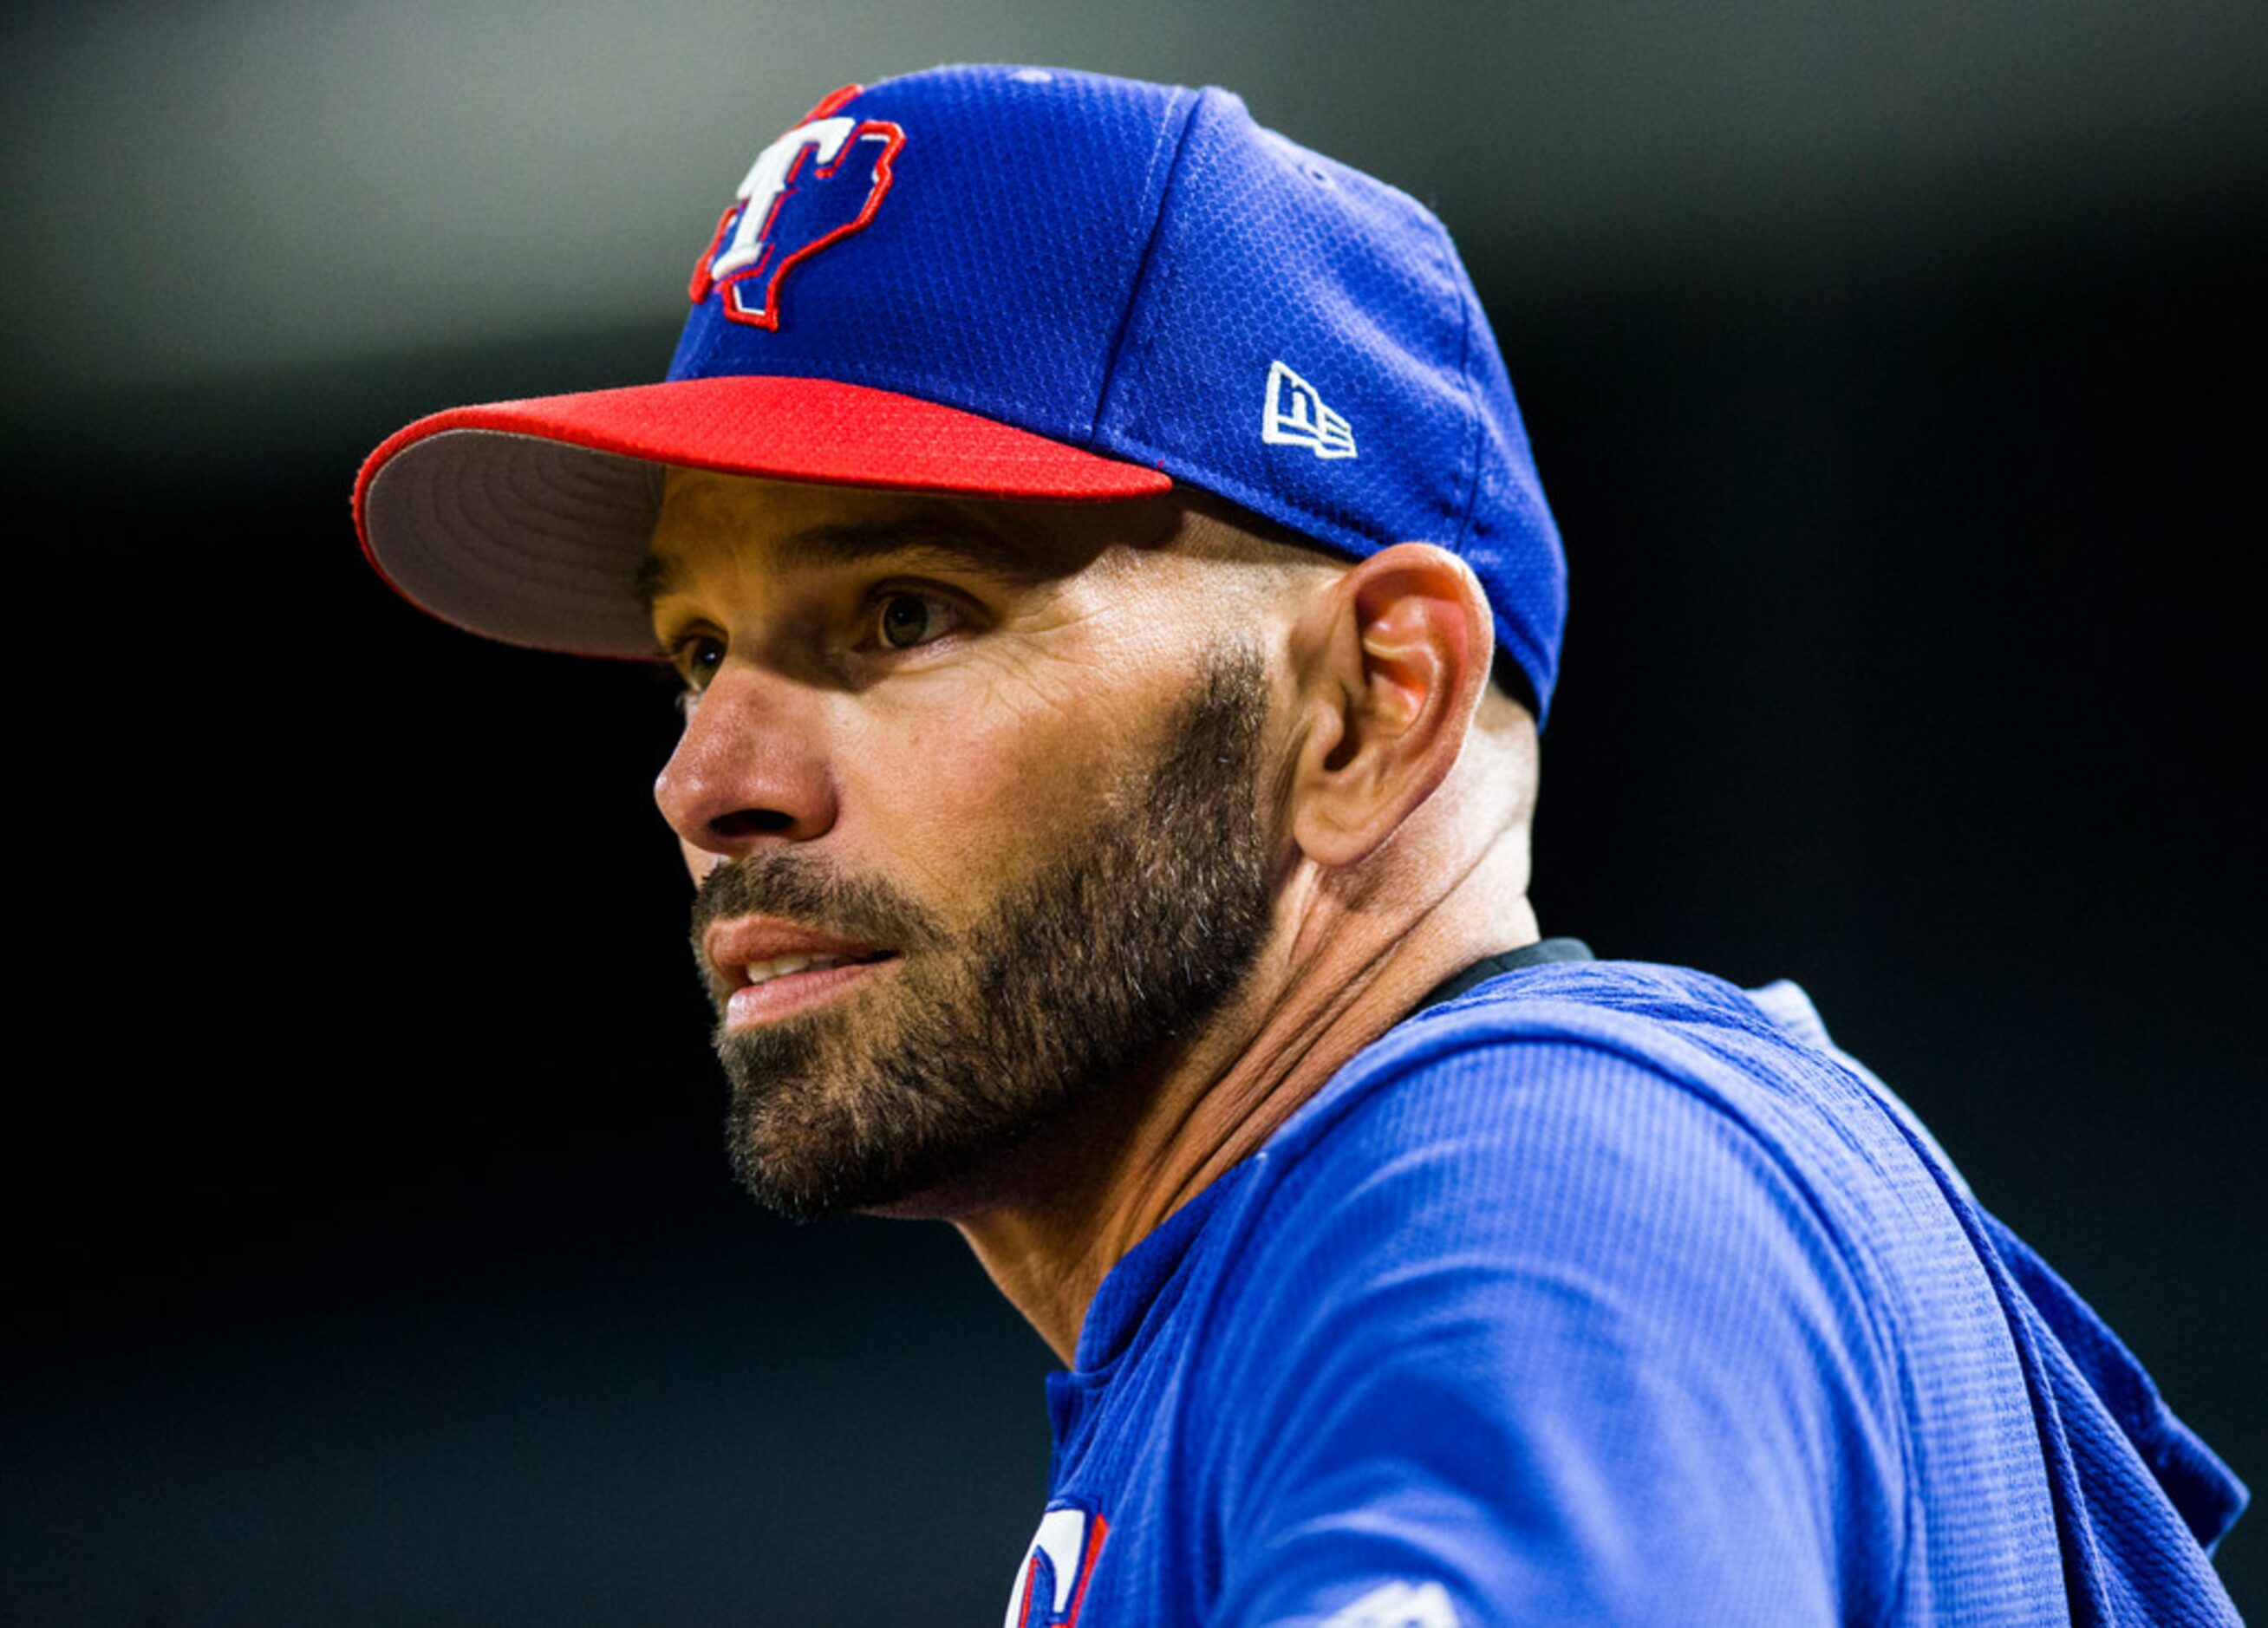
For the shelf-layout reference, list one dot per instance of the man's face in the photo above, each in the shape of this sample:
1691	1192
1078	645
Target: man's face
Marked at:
972	792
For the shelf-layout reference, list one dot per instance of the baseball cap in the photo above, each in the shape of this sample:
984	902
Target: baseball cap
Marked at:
1013	282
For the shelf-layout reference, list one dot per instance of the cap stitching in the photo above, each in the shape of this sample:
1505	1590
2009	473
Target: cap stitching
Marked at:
1139	287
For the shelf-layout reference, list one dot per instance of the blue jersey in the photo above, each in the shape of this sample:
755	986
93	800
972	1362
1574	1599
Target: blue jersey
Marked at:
1607	1293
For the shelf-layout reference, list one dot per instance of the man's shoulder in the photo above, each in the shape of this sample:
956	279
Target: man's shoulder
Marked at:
1542	1248
1603	1155
1618	1118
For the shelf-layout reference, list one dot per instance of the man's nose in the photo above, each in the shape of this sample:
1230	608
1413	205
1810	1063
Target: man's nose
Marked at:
747	771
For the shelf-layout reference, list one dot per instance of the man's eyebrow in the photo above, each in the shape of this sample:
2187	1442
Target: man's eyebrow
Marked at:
925	539
655	577
939	540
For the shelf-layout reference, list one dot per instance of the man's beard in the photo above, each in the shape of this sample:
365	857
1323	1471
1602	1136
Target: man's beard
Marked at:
1076	981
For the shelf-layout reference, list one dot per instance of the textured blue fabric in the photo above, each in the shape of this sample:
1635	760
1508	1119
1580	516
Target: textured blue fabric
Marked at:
1122	266
1610	1293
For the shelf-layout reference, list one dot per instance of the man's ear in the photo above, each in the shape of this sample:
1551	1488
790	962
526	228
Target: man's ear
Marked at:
1395	656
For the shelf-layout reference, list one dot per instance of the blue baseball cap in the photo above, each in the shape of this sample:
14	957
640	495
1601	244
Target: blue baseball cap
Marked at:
1013	282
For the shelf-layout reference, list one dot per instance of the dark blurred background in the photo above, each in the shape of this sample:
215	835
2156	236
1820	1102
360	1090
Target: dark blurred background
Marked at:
1895	370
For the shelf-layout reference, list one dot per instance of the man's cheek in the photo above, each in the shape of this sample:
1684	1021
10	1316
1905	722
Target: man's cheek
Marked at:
1015	754
978	818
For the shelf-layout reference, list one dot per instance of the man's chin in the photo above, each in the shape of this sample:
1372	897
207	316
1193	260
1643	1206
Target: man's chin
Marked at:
810	1137
932	1163
808	1170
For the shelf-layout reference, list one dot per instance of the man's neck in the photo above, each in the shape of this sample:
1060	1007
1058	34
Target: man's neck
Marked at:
1334	983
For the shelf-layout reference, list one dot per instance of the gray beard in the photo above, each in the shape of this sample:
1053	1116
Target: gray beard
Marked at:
1077	982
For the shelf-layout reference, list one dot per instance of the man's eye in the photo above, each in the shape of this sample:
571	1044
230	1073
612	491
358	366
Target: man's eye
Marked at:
905	619
696	660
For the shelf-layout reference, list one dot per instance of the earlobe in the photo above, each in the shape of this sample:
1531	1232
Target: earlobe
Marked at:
1400	650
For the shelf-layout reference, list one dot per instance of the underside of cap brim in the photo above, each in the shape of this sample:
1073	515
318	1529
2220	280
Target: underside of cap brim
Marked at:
527	521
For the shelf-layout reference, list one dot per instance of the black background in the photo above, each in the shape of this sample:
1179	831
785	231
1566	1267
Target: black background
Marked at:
374	1257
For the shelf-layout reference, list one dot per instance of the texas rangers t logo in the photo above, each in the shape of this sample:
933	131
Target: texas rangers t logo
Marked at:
814	185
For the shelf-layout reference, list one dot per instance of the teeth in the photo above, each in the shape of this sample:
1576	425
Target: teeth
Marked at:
765	971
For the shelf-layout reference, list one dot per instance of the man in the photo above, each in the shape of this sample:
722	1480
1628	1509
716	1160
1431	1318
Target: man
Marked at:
1115	607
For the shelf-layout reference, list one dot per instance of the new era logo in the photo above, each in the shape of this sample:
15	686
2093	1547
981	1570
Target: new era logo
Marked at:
1295	416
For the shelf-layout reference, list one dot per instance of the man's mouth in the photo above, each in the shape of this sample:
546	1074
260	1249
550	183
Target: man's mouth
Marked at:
789	984
767	969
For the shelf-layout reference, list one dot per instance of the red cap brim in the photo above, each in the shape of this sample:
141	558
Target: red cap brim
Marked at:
527	520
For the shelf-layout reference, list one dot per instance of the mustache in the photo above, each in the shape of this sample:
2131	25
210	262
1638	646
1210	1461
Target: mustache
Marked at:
794	888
